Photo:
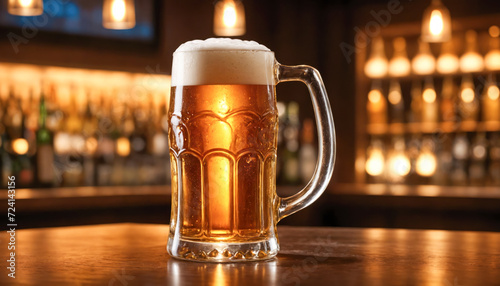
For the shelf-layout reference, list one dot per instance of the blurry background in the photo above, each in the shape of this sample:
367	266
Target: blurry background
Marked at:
83	108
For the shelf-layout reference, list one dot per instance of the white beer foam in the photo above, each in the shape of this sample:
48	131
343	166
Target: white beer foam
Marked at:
222	61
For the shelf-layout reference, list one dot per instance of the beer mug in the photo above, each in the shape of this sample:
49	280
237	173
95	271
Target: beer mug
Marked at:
223	128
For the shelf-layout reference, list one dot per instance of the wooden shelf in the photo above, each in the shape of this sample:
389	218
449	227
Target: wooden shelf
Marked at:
429	128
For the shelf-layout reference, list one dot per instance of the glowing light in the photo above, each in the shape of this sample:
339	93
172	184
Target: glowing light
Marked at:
91	145
493	92
25	3
447	64
471	62
377	65
118	10
467	95
426	164
375	96
229	18
479	151
20	146
400	165
375	163
399	65
436	23
123	146
395	97
494	31
429	95
492	60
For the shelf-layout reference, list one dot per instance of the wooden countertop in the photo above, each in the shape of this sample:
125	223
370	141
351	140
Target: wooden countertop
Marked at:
134	254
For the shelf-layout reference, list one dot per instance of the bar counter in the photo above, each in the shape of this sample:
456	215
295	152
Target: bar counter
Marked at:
134	254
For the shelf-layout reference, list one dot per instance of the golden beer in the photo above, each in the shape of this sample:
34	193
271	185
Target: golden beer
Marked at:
223	154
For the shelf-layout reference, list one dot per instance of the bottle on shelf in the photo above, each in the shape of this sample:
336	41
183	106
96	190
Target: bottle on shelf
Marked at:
430	106
415	114
399	65
491	101
460	152
471	60
448	100
396	103
478	156
424	62
399	165
426	163
376	105
494	157
492	58
468	106
447	62
307	154
45	150
89	132
444	160
291	168
376	66
375	160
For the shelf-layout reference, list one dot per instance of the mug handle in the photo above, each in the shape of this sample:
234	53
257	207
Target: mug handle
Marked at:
326	138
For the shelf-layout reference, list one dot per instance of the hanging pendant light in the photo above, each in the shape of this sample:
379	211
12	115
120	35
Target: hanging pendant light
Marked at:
436	23
118	14
25	7
229	18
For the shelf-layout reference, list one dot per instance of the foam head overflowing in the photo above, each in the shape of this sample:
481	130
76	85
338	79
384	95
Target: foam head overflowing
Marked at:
222	61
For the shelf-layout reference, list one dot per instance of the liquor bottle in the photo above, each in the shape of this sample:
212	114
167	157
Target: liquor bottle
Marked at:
376	105
424	62
478	155
415	114
471	60
491	100
494	156
399	165
444	161
291	169
281	106
468	105
396	103
22	150
460	151
307	154
375	160
106	148
89	130
430	106
399	65
159	147
73	166
45	151
447	62
448	100
426	164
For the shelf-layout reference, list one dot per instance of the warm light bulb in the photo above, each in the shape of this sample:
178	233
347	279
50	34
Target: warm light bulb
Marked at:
471	62
399	66
123	146
25	3
493	92
118	10
467	95
426	164
436	23
375	163
375	96
494	31
20	146
229	16
429	95
400	165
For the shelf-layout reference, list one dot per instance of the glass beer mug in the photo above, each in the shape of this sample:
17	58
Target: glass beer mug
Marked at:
223	127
